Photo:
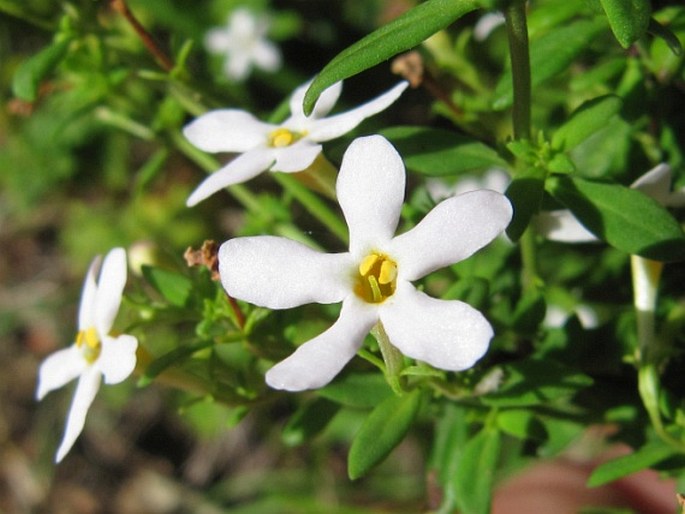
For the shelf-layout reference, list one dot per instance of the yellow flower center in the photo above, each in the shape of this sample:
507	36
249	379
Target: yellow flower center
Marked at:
377	278
89	343
283	137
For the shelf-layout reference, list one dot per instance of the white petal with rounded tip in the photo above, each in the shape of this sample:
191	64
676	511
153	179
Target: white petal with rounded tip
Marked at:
58	369
266	56
655	183
370	190
110	289
297	157
451	232
280	273
117	358
448	335
318	361
217	40
86	389
237	67
242	168
86	311
227	130
329	128
562	226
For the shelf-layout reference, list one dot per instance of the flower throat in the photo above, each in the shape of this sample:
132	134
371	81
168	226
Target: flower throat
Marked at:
377	278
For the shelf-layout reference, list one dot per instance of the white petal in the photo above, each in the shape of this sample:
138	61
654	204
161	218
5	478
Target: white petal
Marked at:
318	361
370	190
86	312
227	130
58	369
118	358
242	168
297	157
329	128
237	67
279	273
449	335
86	389
267	56
451	232
323	105
561	225
655	183
110	289
217	41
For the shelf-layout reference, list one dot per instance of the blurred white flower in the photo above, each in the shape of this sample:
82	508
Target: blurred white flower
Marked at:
373	279
487	24
557	316
96	353
288	147
243	42
494	179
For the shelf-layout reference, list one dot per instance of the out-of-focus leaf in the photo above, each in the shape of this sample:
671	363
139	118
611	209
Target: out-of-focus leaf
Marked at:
403	33
536	381
628	19
308	421
623	217
550	55
33	71
437	152
585	121
167	360
174	287
640	459
358	390
475	474
525	193
381	432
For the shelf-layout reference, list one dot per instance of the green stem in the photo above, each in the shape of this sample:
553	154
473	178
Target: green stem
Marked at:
393	359
517	33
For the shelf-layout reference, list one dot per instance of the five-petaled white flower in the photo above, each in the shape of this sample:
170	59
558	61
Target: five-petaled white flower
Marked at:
373	279
96	353
243	42
288	147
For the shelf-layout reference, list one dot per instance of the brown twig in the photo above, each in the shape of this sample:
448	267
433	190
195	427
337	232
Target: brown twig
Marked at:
163	60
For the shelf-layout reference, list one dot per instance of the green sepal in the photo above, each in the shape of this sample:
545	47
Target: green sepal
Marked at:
381	432
623	217
403	33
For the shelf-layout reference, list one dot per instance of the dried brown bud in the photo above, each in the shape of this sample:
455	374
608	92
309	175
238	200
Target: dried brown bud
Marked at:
410	67
207	256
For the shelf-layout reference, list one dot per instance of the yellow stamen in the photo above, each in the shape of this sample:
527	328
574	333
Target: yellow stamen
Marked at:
89	342
377	278
283	137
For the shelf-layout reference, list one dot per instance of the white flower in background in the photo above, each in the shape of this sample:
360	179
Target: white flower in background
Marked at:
556	316
96	353
288	147
243	41
487	24
372	280
561	225
494	179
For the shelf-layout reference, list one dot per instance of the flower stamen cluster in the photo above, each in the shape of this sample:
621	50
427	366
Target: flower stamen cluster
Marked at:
377	279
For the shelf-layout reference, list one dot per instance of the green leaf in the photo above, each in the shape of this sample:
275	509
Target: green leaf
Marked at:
628	19
550	55
31	72
403	33
310	419
640	459
536	381
525	193
167	360
437	152
174	287
589	118
358	390
667	35
623	217
522	424
381	431
475	474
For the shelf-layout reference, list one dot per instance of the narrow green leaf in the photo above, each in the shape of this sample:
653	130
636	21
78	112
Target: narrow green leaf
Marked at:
310	419
403	33
31	72
174	287
475	474
525	193
437	152
167	360
585	121
522	424
536	381
667	35
357	390
640	459
628	19
623	217
381	432
551	54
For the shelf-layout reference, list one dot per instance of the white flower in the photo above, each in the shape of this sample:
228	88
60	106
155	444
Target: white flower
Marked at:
243	42
561	225
494	179
288	147
96	353
373	279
